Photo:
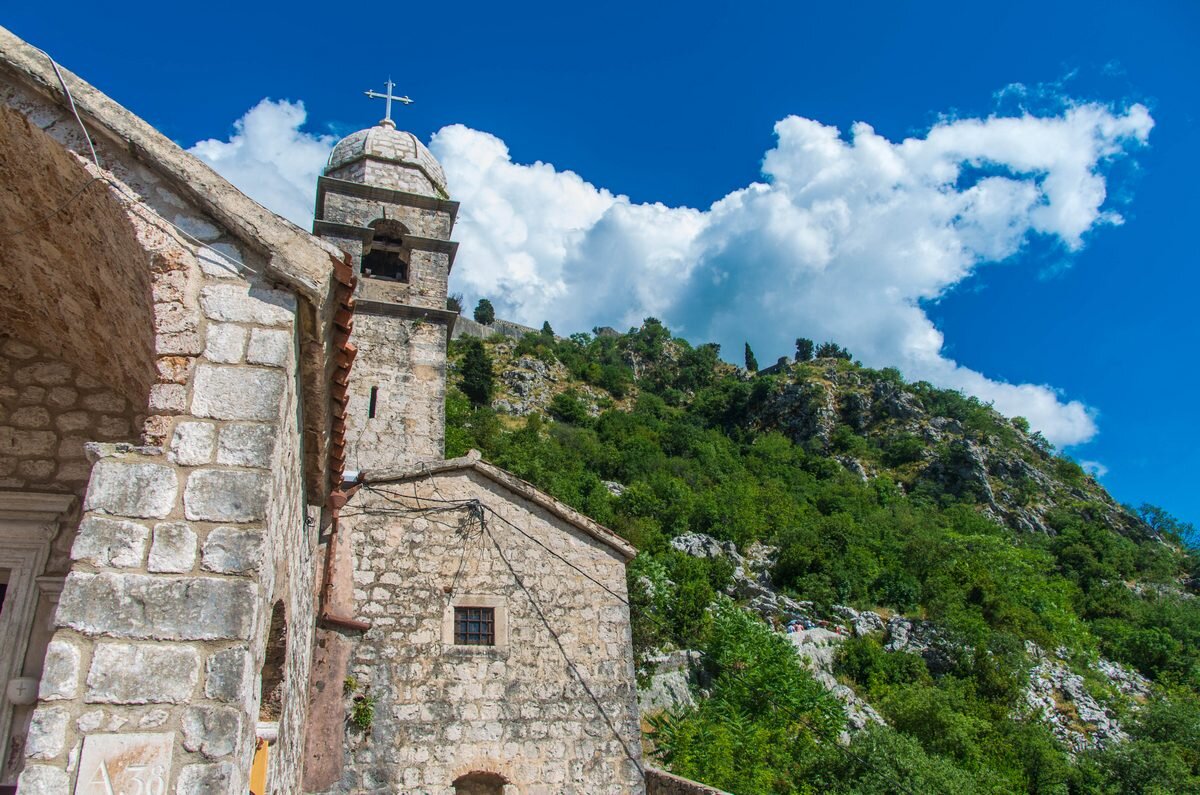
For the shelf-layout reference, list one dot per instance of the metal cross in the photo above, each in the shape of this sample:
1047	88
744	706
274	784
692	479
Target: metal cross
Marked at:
389	96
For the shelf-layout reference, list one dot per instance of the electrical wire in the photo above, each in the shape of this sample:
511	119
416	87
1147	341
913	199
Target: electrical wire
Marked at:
566	657
136	200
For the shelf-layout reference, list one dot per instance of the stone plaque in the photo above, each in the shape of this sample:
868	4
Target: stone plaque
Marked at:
125	764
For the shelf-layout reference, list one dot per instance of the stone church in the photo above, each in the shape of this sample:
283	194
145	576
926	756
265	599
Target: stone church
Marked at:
233	557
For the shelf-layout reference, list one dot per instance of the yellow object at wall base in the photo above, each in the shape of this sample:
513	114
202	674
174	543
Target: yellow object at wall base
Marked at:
258	771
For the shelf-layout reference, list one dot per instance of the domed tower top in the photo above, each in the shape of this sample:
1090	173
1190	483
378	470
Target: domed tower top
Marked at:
387	158
383	201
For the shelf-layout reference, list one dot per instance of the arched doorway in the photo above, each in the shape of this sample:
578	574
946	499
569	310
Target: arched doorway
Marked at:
480	783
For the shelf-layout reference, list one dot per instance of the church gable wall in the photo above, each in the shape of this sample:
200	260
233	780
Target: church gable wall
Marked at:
516	709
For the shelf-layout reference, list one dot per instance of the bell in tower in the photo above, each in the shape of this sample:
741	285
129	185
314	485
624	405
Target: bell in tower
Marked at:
383	200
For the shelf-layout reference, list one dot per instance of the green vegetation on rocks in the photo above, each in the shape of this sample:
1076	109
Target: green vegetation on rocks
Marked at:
870	493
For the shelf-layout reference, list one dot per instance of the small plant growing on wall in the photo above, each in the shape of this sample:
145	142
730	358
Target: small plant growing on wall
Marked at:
362	711
350	686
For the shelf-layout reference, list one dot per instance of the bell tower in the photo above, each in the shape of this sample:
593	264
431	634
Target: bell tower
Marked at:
383	200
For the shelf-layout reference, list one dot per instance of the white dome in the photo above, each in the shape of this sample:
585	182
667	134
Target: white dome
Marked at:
385	142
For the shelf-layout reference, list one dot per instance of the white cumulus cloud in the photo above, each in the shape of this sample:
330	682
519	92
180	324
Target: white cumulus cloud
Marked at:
843	239
271	160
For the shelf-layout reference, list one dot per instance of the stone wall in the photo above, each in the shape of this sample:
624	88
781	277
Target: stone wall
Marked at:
660	782
48	410
404	361
79	285
184	544
466	327
515	709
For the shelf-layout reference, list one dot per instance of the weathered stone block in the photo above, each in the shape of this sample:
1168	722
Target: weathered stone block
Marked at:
228	392
32	396
47	736
210	779
44	373
111	427
143	606
73	421
19	350
219	495
246	445
109	402
225	343
217	266
239	303
21	443
228	675
132	489
213	731
173	369
233	550
44	780
173	548
30	417
105	542
62	397
126	673
173	317
60	671
271	347
192	443
37	469
168	398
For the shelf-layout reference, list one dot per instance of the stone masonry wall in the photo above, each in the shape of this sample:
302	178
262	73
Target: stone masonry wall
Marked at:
515	709
48	410
405	362
163	617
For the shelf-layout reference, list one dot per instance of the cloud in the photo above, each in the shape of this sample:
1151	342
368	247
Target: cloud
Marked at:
845	238
271	160
1094	468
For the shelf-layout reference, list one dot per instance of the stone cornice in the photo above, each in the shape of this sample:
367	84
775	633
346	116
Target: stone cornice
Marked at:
368	307
376	193
366	234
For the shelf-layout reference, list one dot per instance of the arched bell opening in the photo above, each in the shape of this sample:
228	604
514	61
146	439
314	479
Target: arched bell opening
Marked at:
387	255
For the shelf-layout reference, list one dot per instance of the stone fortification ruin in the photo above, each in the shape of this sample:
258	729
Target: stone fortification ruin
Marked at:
232	557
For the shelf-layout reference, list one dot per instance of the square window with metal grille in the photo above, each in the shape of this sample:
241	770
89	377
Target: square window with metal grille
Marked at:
475	626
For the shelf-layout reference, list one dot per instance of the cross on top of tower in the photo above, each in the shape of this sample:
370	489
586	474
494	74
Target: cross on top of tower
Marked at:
388	96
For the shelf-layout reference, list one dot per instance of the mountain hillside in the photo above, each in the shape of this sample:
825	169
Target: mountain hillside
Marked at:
851	583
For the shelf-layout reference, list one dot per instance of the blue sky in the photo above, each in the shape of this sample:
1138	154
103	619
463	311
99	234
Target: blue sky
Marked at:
677	104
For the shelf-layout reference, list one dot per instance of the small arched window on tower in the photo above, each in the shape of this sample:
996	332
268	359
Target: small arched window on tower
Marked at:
388	253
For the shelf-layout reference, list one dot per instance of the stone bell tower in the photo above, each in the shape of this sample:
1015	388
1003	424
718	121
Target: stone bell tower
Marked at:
383	200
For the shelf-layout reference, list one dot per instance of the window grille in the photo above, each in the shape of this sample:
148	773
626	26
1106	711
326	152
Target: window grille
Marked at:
475	626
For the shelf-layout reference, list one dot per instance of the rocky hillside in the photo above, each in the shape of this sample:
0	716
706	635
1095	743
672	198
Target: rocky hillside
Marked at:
874	424
830	551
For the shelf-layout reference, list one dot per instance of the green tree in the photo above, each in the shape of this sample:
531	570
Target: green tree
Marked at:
804	349
546	330
477	379
485	313
454	302
751	362
831	350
